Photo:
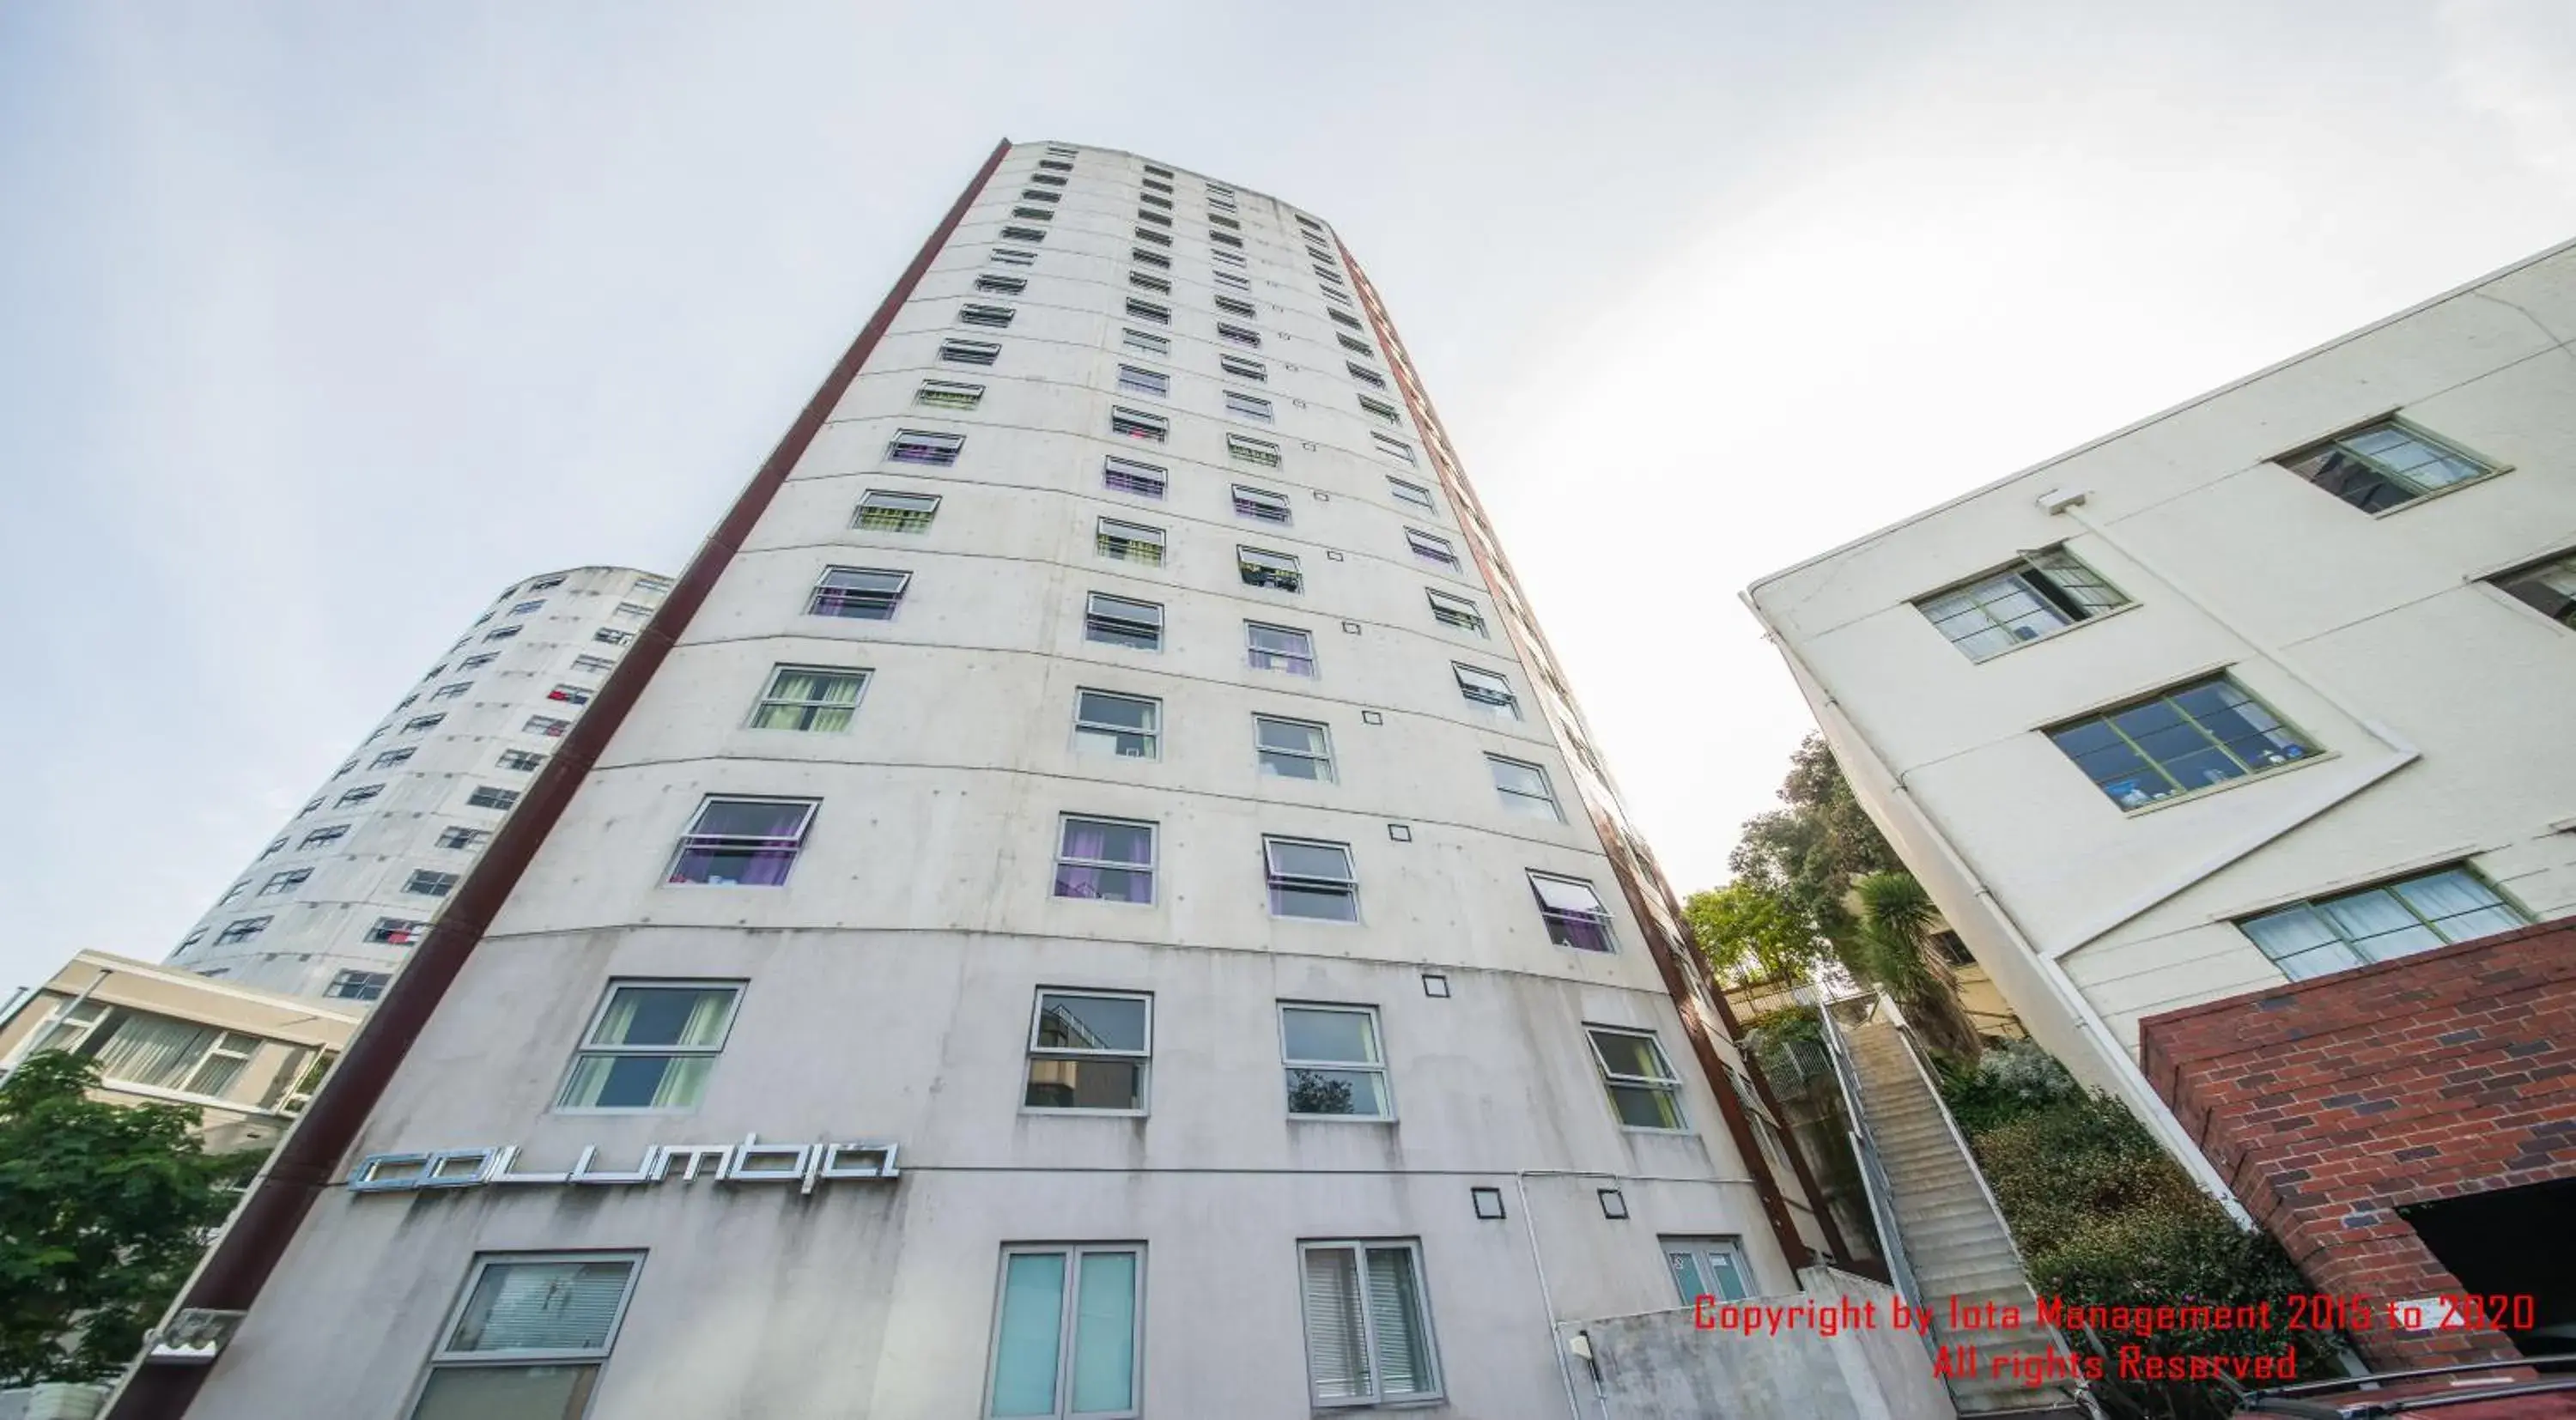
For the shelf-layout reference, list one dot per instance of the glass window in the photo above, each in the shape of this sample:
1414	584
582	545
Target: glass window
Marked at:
462	837
861	593
1410	492
1241	368
1708	1267
1130	542
1137	424
1247	449
1431	549
528	1339
1573	913
1238	334
651	1046
1523	788
1105	860
285	883
1368	1328
2384	465
1128	476
997	317
2381	923
1387	443
487	797
922	446
397	931
521	760
1292	749
1244	406
1013	256
1310	879
882	510
1138	309
1380	410
2548	587
1117	621
1144	342
500	633
1274	570
1147	281
2201	734
1148	234
1067	1332
431	884
359	795
528	608
1335	1068
1261	504
320	836
1279	648
970	352
570	694
2043	593
949	394
1456	611
358	985
612	636
809	698
1128	726
1644	1092
1136	379
419	723
592	665
1487	691
1149	258
1090	1051
546	725
743	842
1356	347
139	1048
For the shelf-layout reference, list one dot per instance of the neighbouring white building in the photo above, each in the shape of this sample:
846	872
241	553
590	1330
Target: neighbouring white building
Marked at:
335	903
2270	685
1091	898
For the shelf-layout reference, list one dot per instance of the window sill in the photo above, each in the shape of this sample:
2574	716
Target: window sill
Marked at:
2420	499
1682	1133
2195	795
1341	1118
1046	1112
2041	640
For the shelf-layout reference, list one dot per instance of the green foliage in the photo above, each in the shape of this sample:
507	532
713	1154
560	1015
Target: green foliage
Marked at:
1789	1043
2009	1080
1751	933
1808	853
103	1211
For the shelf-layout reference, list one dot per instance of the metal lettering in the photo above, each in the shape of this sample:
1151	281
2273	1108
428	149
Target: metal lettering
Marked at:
389	1173
756	1162
508	1155
650	1171
718	1158
750	1161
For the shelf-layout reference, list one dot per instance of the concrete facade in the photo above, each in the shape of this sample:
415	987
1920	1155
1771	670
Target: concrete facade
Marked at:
333	906
246	1061
888	981
2418	700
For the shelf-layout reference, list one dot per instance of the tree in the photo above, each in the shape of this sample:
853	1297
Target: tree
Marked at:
103	1211
1809	853
1893	947
1754	933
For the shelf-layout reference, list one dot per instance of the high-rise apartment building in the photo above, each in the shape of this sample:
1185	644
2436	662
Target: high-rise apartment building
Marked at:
2264	689
335	903
1091	898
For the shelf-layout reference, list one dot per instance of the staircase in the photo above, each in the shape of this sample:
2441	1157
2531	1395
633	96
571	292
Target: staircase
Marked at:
1950	1237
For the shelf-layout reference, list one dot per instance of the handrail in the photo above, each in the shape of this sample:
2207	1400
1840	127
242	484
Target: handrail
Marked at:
1873	1178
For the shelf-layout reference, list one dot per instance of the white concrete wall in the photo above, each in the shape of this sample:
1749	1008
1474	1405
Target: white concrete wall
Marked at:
891	981
2436	700
319	929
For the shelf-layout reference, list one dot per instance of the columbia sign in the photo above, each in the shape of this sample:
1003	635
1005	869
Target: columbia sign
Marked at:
750	1161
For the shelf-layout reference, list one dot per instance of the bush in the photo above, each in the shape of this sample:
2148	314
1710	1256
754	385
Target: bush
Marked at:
2010	1079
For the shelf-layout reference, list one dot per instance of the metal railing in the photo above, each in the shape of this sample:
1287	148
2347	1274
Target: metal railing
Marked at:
1864	1147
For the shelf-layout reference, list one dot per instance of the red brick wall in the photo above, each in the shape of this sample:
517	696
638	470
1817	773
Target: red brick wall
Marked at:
2328	1103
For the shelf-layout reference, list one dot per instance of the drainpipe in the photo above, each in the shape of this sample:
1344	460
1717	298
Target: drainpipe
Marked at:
1538	1263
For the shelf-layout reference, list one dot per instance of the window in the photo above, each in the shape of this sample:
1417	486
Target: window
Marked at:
1105	860
500	633
527	608
969	352
1143	341
948	394
883	510
1145	281
189	942
1279	648
545	584
1274	570
610	635
1321	269
1148	234
230	893
1067	1332
1292	749
1368	1329
1217	221
570	694
2181	740
1135	379
452	691
1232	281
141	1048
418	723
1335	1068
2547	587
996	317
1048	178
1644	1092
1148	311
742	842
1062	151
1244	406
1128	726
358	985
634	610
308	808
651	1046
2383	465
1380	410
1456	611
1364	374
276	844
391	757
1117	621
1033	214
1394	446
1431	549
1128	476
1252	451
1335	293
1013	256
919	446
487	797
285	883
2043	593
320	837
805	698
1224	238
462	837
1137	424
862	593
1052	165
1130	542
430	884
592	665
478	661
1240	335
2381	923
521	760
344	768
1001	285
1311	880
1149	258
1573	913
1356	347
242	930
529	1337
1523	788
360	794
1147	214
1230	258
1236	306
1708	1267
397	931
545	725
1243	369
1033	194
1344	318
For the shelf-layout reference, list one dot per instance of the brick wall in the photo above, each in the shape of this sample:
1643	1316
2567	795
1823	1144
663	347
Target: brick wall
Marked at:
2328	1103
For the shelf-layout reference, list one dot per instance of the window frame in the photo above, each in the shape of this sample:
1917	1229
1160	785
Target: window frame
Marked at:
2529	573
1377	1395
948	394
1274	878
2030	575
1324	759
1091	618
796	843
1068	1327
1152	734
1152	867
964	352
938	448
897	519
2315	907
1261	568
1445	556
893	600
1700	1247
1312	661
585	1044
1261	505
1560	922
2388	476
441	883
1260	453
1120	475
769	697
442	1357
1136	379
1456	612
1669	1085
1143	1057
1102	538
1377	1039
1512	797
2308	750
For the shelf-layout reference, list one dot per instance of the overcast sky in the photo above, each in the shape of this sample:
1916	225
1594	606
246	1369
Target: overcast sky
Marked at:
320	323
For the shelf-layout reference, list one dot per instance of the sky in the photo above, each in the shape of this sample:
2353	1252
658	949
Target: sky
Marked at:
322	323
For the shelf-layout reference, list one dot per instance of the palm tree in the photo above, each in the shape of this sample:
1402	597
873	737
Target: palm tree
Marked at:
1892	947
